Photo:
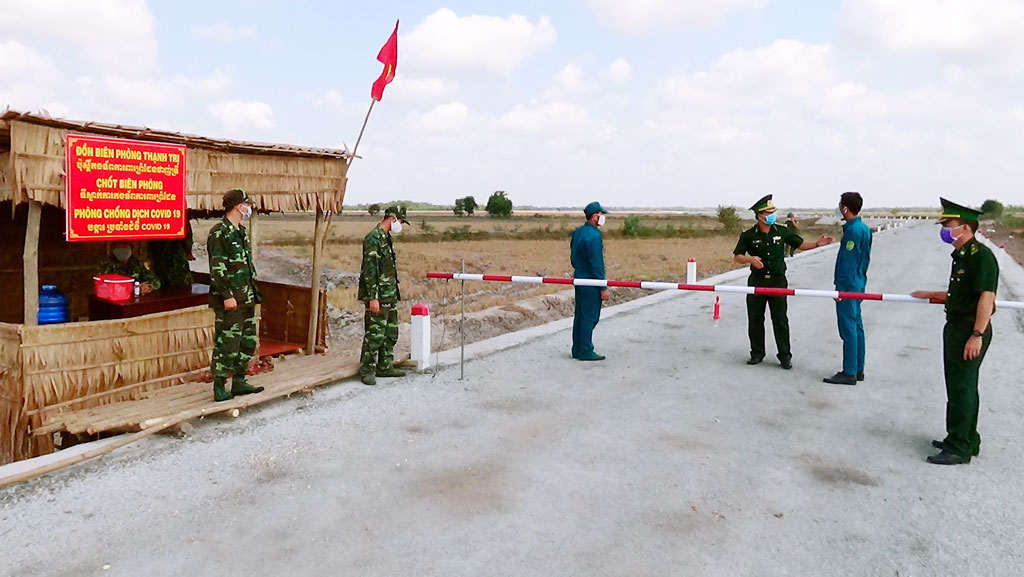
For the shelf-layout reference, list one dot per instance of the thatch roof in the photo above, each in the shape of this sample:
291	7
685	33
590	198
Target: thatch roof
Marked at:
278	177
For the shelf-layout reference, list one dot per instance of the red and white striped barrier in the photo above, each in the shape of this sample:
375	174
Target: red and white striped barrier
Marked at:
662	286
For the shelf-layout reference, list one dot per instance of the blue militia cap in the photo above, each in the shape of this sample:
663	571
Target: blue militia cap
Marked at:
592	208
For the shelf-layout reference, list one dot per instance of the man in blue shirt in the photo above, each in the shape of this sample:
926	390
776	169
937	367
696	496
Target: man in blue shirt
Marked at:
851	276
586	252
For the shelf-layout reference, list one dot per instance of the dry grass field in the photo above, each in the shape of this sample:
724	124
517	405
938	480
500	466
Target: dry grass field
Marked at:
508	249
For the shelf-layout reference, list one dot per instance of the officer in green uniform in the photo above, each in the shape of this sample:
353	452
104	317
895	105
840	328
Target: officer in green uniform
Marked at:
121	261
378	289
233	298
970	302
762	248
171	258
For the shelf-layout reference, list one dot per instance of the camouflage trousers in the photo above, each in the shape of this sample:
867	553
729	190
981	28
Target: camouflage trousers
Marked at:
380	333
234	342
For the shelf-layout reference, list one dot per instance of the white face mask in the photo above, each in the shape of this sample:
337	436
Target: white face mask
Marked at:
839	212
396	227
246	211
600	219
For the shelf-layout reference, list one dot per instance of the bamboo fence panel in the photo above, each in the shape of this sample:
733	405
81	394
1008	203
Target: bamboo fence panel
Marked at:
61	363
13	432
5	180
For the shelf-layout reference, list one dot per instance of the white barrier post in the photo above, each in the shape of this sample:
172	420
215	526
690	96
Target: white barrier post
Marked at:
420	349
691	271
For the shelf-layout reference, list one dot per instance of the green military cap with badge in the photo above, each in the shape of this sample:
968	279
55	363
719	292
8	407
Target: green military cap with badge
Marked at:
951	210
764	205
396	211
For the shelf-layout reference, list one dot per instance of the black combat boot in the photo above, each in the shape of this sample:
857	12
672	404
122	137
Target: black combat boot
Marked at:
390	372
220	392
240	387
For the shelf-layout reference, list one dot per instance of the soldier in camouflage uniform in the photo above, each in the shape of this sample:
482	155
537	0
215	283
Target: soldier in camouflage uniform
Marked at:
121	261
378	289
171	258
233	298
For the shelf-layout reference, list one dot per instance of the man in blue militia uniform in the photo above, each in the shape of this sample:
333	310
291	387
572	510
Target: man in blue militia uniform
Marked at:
851	276
586	252
761	247
970	302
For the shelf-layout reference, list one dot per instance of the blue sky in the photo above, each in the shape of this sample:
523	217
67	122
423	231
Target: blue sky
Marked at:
649	102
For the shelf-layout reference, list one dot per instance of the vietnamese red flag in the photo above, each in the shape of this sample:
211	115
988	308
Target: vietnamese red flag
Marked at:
388	56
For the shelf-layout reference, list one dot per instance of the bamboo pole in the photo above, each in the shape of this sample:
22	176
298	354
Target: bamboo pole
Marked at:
91	454
254	231
31	262
314	297
120	390
360	137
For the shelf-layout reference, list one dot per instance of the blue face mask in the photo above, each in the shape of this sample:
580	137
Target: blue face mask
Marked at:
770	219
946	234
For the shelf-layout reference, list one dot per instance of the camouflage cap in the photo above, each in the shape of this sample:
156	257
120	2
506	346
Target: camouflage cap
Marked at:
396	211
235	197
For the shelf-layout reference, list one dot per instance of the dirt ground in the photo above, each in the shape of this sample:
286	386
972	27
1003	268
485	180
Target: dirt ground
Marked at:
1010	238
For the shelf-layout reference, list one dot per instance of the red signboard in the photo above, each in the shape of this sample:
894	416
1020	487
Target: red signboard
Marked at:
124	189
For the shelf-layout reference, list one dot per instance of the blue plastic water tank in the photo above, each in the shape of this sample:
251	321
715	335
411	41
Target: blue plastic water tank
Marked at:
53	306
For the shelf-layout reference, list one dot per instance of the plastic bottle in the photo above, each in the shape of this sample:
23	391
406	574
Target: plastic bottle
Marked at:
138	289
53	306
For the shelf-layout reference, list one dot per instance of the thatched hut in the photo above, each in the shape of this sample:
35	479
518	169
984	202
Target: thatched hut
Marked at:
86	363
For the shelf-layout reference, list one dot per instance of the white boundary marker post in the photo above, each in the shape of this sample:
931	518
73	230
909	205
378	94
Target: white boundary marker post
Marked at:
420	336
691	271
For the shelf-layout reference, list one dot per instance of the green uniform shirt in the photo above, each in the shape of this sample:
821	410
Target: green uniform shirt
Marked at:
232	273
378	276
974	271
133	267
769	247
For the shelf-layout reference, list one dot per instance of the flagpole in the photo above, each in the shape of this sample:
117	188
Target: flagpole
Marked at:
361	130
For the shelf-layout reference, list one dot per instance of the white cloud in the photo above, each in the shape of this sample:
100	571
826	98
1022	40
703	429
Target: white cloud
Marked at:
413	88
223	33
88	29
28	80
570	79
235	114
446	44
618	72
142	92
545	117
568	82
758	79
966	32
444	118
639	16
19	61
330	99
213	85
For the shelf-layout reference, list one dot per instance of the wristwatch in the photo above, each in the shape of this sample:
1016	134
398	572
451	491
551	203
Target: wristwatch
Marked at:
977	333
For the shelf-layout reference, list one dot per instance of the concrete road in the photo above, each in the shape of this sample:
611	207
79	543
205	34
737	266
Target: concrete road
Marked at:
670	458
